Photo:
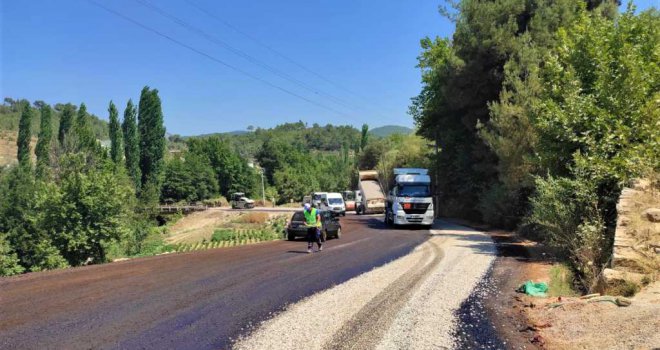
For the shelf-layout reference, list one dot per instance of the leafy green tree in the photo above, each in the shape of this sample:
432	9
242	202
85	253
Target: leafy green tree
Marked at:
87	211
20	212
232	172
189	179
131	144
24	136
115	135
45	139
66	122
293	183
152	143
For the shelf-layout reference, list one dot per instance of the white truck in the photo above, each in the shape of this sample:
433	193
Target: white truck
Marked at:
410	201
372	195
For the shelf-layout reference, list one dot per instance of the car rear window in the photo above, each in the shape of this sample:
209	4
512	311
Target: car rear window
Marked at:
298	217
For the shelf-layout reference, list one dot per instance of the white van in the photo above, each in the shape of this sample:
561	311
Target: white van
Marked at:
336	203
319	199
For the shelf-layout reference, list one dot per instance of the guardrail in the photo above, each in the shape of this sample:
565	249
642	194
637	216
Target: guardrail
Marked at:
181	208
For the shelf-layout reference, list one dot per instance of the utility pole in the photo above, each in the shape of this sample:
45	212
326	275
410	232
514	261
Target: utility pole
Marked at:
263	188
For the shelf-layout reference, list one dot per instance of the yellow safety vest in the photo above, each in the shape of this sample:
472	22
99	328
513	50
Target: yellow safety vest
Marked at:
310	218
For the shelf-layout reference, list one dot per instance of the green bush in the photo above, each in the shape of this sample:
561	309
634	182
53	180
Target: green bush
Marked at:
223	235
566	212
9	262
47	257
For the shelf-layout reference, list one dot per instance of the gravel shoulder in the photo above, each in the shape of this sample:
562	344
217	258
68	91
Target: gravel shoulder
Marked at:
409	303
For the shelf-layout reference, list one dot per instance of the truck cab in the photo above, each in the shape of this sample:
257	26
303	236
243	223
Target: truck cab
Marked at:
410	202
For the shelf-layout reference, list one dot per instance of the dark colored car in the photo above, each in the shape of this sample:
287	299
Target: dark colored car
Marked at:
330	226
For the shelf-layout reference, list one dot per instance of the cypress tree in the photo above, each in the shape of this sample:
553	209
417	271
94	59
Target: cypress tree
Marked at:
45	137
86	138
152	142
66	122
131	144
24	136
364	136
115	135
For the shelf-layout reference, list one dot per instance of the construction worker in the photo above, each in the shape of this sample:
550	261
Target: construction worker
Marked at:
313	222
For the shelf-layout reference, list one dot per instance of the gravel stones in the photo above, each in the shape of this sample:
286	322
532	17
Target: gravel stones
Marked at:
409	303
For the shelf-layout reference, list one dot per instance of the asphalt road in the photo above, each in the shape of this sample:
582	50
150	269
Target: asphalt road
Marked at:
199	300
259	209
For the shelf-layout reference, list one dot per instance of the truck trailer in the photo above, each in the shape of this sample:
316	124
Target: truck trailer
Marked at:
410	202
372	195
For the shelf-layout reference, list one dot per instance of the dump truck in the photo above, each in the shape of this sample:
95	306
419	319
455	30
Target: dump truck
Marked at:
373	197
409	201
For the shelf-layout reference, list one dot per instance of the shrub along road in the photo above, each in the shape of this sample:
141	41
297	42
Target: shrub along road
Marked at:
208	299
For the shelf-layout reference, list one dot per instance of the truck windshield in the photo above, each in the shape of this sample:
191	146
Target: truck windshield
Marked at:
334	201
414	191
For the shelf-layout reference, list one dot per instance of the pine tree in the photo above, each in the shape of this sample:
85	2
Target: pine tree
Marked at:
115	135
131	144
45	138
66	122
152	142
24	136
86	138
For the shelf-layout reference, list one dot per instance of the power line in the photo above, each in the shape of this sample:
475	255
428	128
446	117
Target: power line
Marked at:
217	60
268	47
240	53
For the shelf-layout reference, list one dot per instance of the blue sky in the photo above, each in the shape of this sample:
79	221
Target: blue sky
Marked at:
74	51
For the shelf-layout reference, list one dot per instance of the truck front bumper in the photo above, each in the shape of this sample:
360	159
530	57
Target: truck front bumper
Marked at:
425	219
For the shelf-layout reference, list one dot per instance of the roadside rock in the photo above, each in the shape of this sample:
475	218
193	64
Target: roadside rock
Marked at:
652	214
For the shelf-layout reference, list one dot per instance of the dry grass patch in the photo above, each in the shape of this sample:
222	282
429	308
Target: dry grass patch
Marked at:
645	233
253	218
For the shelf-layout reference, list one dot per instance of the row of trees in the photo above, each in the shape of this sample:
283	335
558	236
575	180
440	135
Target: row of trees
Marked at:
543	111
80	200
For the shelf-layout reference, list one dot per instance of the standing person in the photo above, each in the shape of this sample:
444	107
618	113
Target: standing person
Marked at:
313	222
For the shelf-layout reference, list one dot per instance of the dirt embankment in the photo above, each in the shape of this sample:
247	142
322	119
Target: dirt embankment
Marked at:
8	148
562	322
200	226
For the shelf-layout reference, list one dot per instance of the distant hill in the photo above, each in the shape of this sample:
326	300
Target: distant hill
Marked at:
230	133
387	130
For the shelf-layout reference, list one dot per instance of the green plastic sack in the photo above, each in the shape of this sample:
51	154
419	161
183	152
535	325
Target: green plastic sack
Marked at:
534	289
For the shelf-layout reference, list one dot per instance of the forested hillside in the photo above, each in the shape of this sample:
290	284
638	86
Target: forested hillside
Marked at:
10	115
387	130
543	111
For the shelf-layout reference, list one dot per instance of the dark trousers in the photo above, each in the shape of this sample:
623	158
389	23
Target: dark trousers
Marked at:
313	235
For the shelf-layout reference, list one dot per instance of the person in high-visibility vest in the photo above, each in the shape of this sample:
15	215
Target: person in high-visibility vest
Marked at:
313	221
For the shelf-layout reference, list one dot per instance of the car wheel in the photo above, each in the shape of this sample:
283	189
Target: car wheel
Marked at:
338	233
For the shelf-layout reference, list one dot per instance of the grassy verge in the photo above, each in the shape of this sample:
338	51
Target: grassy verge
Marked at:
562	281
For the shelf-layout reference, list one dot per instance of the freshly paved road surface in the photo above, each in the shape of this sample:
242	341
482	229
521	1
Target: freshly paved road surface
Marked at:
259	209
199	300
